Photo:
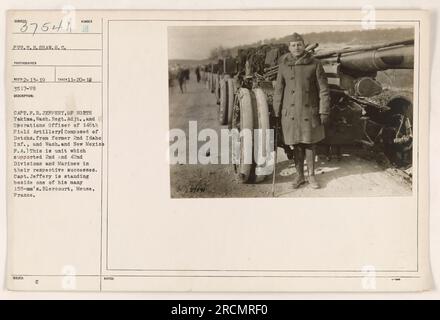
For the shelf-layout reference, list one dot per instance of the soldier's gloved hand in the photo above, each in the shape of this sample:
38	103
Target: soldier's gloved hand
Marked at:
324	119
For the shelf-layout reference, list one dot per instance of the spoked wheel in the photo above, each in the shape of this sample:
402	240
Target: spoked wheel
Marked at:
223	106
231	98
217	87
208	81
253	148
397	136
243	122
212	82
263	141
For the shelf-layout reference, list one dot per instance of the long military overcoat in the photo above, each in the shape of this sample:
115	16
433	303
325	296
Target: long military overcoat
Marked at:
301	95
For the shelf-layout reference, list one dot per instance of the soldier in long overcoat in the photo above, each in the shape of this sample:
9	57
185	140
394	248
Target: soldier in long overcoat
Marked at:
302	105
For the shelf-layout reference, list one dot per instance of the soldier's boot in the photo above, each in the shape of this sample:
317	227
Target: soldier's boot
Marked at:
299	165
310	158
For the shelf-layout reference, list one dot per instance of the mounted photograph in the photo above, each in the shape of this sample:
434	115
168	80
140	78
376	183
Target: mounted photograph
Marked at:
291	110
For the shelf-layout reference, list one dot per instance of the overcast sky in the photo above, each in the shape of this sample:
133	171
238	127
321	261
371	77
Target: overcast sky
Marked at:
197	42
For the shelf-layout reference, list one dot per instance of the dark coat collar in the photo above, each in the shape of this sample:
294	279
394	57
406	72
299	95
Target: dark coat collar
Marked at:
290	60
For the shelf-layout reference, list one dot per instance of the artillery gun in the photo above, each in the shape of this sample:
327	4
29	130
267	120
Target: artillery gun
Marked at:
220	82
356	116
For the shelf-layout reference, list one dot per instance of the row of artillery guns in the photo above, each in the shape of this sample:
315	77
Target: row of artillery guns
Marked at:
362	114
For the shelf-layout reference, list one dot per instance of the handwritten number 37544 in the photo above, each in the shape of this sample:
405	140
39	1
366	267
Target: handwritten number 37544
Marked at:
34	27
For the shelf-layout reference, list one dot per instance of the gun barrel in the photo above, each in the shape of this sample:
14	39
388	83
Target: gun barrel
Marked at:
400	57
329	54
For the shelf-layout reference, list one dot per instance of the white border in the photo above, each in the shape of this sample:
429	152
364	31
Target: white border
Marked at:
229	4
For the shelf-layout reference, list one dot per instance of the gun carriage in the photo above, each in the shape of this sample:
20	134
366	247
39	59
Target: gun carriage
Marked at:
244	87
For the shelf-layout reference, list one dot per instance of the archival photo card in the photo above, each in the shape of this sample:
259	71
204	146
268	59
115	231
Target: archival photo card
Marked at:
339	110
218	151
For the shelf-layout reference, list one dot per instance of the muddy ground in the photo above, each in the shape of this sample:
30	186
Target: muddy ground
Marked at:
359	173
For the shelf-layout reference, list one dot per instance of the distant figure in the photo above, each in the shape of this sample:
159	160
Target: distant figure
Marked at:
186	72
170	79
181	77
198	73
